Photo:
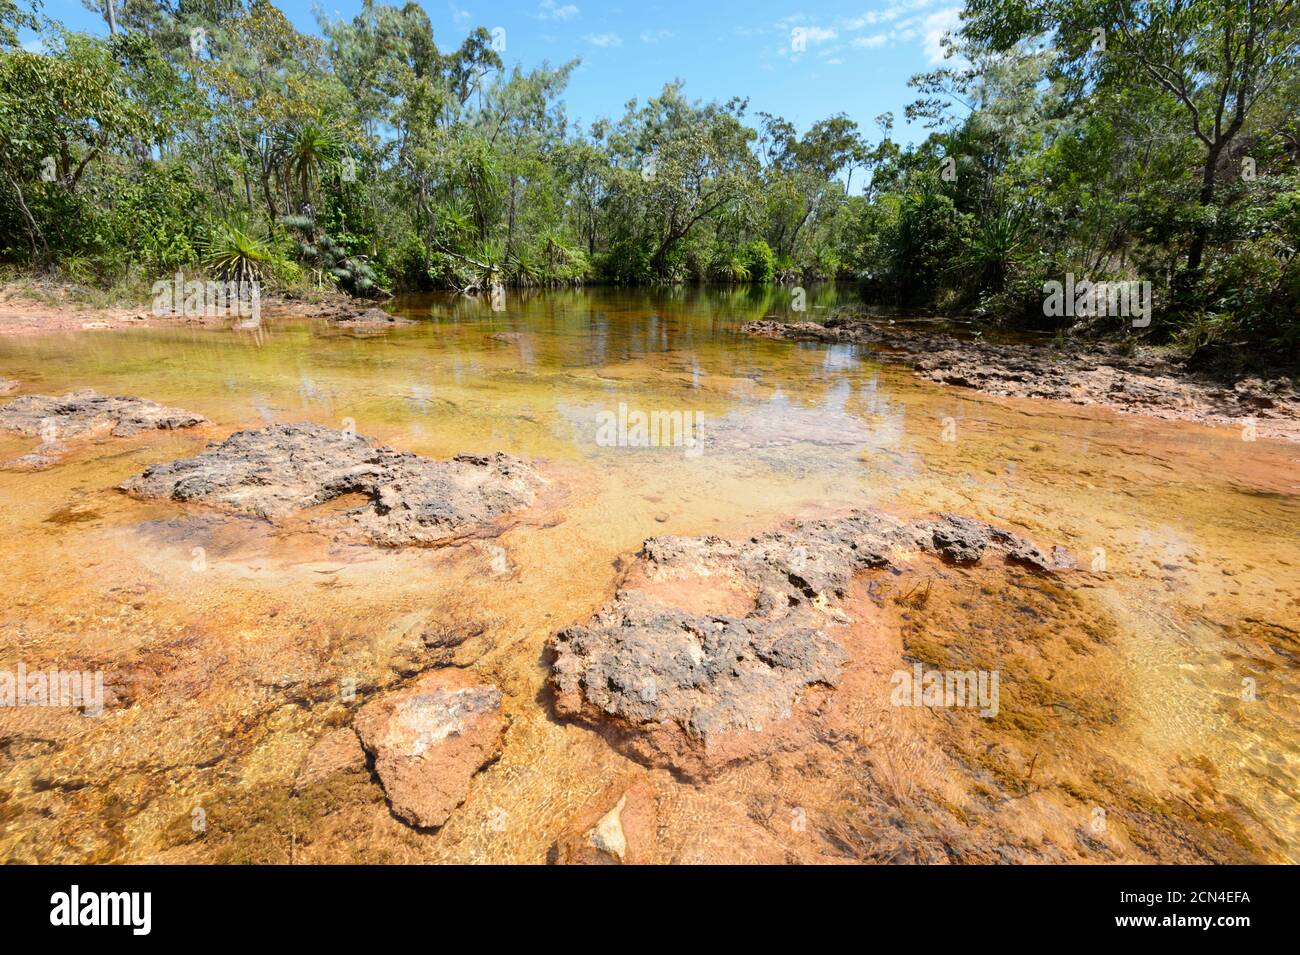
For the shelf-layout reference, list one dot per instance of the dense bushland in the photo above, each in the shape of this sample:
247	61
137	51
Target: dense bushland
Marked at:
1114	139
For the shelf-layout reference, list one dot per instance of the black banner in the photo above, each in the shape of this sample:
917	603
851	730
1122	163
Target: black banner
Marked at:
144	905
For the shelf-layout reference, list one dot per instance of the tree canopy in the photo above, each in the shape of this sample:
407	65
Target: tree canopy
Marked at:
1152	140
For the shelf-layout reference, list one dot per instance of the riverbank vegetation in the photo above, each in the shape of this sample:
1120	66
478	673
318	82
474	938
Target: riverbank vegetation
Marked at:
1117	141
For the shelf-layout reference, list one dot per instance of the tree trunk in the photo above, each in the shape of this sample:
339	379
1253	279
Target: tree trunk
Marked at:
33	230
1201	233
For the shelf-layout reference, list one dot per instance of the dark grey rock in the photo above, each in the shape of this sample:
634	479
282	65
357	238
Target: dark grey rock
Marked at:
643	661
676	687
276	471
83	413
959	539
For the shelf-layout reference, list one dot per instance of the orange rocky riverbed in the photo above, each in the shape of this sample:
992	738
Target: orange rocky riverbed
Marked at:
1147	695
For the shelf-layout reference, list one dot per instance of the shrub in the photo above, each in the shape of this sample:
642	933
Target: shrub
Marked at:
759	260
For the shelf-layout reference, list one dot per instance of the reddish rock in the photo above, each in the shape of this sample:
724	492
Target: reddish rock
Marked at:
428	741
615	828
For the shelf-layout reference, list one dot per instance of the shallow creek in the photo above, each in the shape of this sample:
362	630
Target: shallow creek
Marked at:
1172	652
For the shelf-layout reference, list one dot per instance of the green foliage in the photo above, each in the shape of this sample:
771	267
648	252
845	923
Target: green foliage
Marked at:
306	151
236	255
628	262
330	258
371	159
923	244
156	218
760	261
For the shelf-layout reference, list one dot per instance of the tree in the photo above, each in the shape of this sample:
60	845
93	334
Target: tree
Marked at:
1216	59
60	113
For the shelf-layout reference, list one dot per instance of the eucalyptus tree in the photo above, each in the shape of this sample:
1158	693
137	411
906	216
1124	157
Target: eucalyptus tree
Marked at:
805	177
60	113
15	15
682	163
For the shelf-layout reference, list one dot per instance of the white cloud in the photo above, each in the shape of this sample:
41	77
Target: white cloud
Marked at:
604	39
936	25
889	14
906	22
869	42
900	21
458	15
813	35
550	10
655	36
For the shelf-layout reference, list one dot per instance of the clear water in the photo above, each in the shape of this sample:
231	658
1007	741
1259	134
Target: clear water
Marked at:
1197	529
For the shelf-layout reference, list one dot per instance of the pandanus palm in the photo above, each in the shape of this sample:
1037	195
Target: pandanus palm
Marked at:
306	151
234	254
999	240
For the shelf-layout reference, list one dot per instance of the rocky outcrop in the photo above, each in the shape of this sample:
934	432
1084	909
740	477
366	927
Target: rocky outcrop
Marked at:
84	413
338	308
429	739
642	662
276	471
961	540
1138	381
835	330
711	649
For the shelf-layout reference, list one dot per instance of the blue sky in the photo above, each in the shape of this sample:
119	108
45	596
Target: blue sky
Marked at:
856	55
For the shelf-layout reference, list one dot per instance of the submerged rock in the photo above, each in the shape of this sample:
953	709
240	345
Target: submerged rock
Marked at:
8	386
372	317
617	827
275	471
712	650
338	751
81	413
429	740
